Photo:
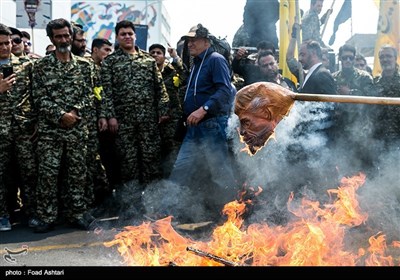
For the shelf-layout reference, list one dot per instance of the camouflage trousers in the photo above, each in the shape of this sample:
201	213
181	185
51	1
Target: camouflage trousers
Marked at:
21	149
26	161
97	186
65	159
169	147
139	153
5	154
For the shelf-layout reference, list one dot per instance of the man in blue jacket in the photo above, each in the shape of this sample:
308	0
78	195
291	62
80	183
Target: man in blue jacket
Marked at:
204	161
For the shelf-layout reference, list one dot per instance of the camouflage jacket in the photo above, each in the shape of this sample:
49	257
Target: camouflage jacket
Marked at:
133	87
388	117
310	26
173	76
16	104
59	87
360	82
97	99
348	116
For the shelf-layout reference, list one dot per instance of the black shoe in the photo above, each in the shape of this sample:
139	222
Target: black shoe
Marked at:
43	227
87	222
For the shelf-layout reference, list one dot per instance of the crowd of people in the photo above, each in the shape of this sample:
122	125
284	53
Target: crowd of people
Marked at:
78	126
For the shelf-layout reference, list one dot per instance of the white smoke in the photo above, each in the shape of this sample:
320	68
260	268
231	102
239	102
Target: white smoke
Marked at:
322	162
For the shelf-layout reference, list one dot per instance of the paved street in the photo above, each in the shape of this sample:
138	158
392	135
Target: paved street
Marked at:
65	246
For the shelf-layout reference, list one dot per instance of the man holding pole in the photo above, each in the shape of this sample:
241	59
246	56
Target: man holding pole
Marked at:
311	24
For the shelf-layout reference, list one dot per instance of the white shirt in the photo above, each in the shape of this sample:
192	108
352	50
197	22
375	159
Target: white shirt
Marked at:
309	73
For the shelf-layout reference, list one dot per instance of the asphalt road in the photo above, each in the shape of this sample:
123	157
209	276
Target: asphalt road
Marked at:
64	246
70	253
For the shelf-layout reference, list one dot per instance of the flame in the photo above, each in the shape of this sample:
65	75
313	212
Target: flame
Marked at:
315	237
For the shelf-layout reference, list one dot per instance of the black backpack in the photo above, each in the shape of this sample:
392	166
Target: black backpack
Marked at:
222	46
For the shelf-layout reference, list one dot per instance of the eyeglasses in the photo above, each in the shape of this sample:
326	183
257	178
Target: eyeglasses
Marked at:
17	40
348	57
27	43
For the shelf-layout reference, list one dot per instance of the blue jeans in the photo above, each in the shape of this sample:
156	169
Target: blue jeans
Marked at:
204	162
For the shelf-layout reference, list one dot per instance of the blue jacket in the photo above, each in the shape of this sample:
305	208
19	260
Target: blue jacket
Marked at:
210	85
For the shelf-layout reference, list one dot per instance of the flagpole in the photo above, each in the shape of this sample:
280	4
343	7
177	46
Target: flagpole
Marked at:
351	26
327	18
298	39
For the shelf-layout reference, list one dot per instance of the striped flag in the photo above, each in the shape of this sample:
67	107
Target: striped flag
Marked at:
343	15
388	30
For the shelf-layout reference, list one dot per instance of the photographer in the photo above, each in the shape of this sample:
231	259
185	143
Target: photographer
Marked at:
247	57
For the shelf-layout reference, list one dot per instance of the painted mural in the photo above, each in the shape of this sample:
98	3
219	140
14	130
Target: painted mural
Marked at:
99	18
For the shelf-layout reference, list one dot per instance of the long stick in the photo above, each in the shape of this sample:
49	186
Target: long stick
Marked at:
347	99
212	257
326	21
298	40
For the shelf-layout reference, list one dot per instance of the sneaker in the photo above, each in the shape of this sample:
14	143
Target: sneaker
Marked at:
33	222
5	224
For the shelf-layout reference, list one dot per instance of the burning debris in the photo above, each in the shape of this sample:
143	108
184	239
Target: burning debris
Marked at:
315	236
211	257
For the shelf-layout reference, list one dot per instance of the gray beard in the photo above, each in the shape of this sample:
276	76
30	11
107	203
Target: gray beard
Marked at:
64	49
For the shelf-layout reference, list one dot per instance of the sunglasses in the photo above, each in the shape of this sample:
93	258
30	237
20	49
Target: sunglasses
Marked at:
27	43
382	56
17	40
348	57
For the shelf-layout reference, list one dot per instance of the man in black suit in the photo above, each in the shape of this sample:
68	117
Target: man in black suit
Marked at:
318	78
312	130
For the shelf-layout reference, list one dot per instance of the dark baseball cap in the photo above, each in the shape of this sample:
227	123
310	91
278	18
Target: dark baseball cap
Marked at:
15	31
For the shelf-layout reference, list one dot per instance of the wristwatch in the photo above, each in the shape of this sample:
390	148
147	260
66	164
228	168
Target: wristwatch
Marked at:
205	107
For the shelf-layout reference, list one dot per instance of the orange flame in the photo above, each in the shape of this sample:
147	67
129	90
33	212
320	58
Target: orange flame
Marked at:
315	237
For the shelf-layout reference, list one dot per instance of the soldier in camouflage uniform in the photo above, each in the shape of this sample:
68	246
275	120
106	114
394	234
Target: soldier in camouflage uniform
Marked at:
19	136
101	48
173	76
14	180
97	183
62	86
387	122
7	104
351	124
137	102
311	24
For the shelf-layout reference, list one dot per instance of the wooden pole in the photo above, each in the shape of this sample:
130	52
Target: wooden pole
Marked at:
347	99
326	21
32	41
211	257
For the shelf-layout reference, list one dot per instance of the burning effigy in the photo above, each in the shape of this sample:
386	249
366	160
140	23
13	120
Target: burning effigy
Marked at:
261	106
